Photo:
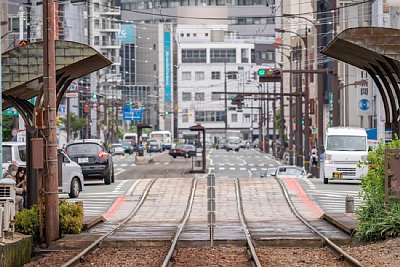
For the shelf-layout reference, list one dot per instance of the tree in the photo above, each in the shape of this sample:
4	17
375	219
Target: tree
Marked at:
77	124
8	124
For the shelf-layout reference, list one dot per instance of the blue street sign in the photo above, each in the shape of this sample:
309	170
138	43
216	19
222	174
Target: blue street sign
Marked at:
133	115
62	110
363	104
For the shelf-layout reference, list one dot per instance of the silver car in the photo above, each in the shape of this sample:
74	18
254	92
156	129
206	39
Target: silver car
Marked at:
117	149
72	177
291	172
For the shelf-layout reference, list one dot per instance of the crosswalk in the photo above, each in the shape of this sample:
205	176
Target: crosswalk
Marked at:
334	201
241	166
97	203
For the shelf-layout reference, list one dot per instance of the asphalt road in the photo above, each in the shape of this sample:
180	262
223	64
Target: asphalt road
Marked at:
97	197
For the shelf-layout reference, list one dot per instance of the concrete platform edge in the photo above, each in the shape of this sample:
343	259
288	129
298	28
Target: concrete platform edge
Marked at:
16	251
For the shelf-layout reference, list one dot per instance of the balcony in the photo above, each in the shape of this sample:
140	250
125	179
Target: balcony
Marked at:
109	27
110	11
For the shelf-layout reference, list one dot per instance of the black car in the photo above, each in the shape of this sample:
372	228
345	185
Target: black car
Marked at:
93	157
185	151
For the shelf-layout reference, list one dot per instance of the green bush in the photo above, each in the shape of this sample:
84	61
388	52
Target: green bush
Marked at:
71	218
374	223
27	221
70	215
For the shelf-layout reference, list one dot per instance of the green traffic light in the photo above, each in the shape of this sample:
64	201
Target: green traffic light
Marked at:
94	96
131	103
261	72
166	112
142	108
302	121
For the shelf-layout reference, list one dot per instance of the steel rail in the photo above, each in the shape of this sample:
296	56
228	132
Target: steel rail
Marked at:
88	249
251	248
189	206
342	254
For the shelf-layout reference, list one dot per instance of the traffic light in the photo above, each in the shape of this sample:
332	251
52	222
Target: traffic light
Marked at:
302	121
94	96
269	75
131	103
143	108
166	112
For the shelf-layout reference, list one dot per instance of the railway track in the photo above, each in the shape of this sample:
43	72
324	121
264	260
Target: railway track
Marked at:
337	250
168	216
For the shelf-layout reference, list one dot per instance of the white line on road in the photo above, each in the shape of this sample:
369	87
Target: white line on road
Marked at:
118	173
253	169
166	163
250	174
130	190
221	168
232	169
124	165
264	169
242	169
133	165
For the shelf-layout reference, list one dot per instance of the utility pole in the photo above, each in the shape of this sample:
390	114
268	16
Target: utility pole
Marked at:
274	123
299	115
306	109
282	124
50	171
291	136
268	119
226	100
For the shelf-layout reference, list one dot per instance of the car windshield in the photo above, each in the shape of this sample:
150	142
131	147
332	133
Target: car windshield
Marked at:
85	148
180	147
346	143
7	154
290	171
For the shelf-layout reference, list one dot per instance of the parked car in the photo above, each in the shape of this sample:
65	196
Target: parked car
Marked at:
185	151
13	152
71	181
93	157
271	172
72	176
117	149
291	172
153	146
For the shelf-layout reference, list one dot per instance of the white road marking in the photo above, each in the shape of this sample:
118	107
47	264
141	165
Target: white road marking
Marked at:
253	169
166	163
264	169
261	165
271	165
119	172
133	165
130	190
250	164
242	169
221	168
124	165
232	169
250	174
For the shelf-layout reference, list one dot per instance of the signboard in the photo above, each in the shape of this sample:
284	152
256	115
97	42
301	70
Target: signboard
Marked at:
62	110
132	115
167	66
71	94
11	112
126	34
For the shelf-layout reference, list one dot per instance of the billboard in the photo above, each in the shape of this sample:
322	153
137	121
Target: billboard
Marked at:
167	67
127	33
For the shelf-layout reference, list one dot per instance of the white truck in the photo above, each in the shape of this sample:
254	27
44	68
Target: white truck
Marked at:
232	140
344	148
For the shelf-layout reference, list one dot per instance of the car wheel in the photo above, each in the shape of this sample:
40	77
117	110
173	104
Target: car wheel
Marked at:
75	188
108	178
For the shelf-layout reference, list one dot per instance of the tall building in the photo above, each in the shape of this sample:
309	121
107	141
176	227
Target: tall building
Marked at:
256	25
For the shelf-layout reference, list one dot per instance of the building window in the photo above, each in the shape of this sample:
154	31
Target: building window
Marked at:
215	75
96	24
182	34
215	97
246	117
232	75
245	55
234	117
185	118
199	96
209	116
266	55
187	34
223	55
186	96
186	75
199	75
194	56
96	40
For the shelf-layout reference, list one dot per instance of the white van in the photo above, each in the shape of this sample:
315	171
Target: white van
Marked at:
344	148
72	177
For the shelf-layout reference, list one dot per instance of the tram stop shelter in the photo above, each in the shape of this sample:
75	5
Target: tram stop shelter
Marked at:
377	51
22	80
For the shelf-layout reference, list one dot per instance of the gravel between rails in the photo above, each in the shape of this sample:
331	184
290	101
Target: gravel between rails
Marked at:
380	254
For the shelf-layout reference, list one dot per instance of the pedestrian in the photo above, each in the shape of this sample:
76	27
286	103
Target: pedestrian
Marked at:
11	173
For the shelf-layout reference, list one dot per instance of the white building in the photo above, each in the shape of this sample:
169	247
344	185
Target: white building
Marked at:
210	57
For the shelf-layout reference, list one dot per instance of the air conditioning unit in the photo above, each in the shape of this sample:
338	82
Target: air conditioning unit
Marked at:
7	205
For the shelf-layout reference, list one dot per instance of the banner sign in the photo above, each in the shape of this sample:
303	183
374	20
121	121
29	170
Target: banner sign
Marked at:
167	66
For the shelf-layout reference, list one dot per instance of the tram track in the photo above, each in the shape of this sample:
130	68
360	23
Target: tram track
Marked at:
332	247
